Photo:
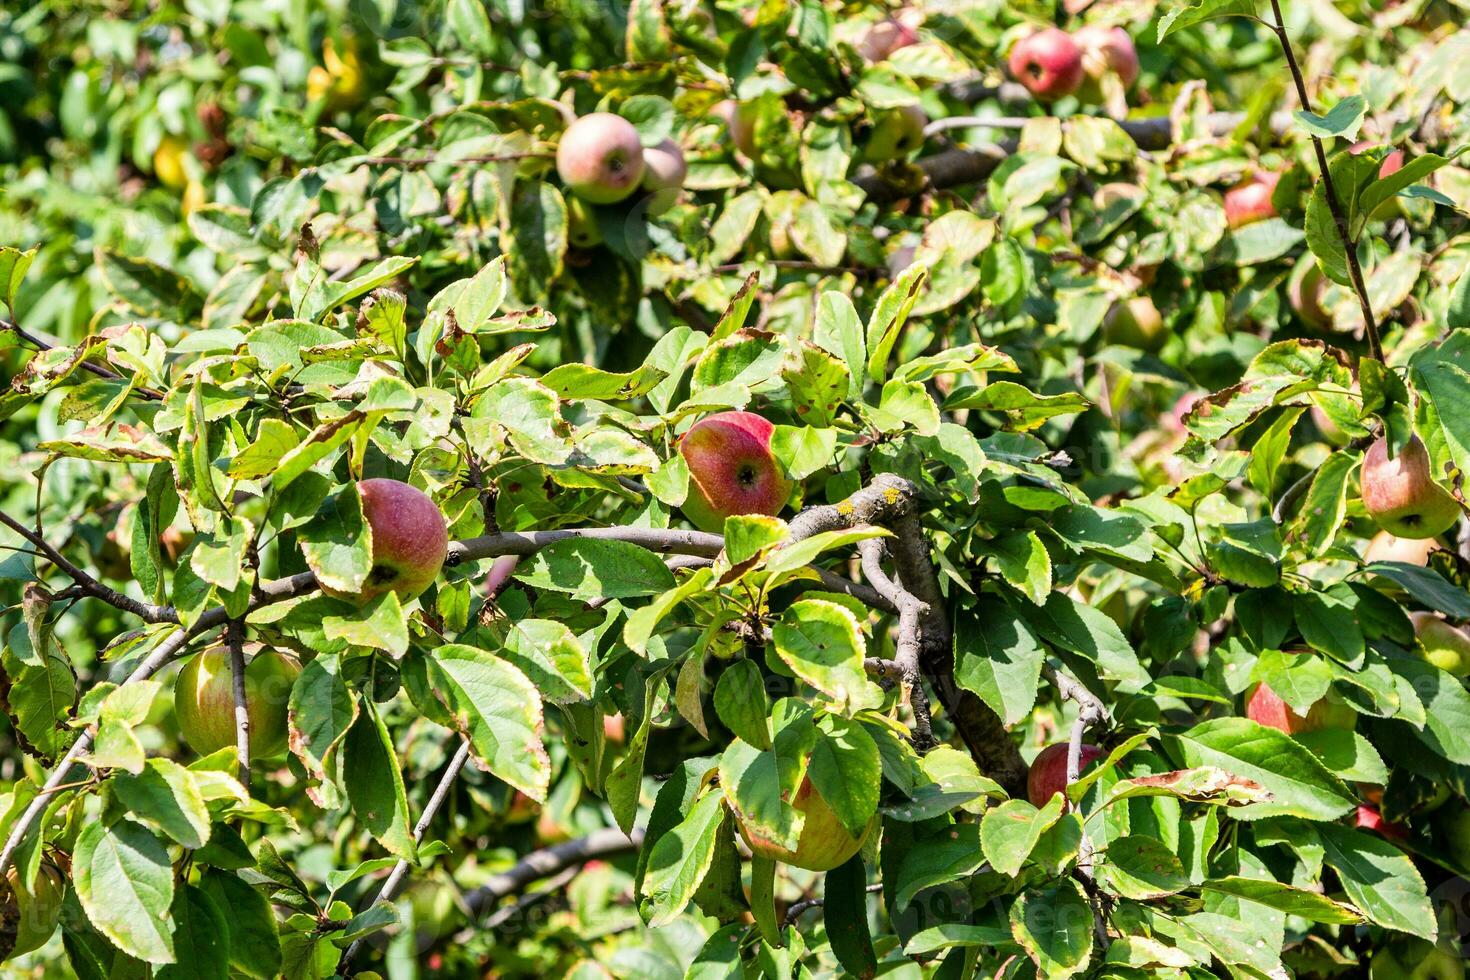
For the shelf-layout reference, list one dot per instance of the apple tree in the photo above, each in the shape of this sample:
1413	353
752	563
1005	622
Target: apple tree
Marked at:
730	489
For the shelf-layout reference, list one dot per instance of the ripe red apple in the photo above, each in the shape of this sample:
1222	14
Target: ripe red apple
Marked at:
824	843
1265	707
1048	63
1048	775
1443	644
600	158
887	36
34	914
1412	551
410	540
1105	50
1368	818
1399	494
1304	290
896	134
664	171
1392	163
204	701
731	469
1250	200
1135	322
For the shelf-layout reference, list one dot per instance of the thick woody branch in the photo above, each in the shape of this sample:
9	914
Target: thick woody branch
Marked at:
549	861
1090	711
908	650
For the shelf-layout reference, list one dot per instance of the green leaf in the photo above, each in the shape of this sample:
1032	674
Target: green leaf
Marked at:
1299	783
498	710
1023	561
823	645
338	543
741	703
201	938
1342	120
14	264
679	859
1325	505
998	657
889	315
845	771
551	657
845	911
1054	927
839	332
1309	905
1380	879
1010	831
125	882
1141	868
375	784
255	945
589	568
379	625
164	795
321	711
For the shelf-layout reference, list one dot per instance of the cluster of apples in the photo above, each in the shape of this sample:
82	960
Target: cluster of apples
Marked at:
601	160
409	542
1053	64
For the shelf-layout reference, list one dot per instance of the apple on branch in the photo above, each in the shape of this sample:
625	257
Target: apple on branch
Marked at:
1265	707
600	158
896	134
1109	66
204	701
891	34
823	844
1250	200
731	470
1135	322
664	170
1048	63
1441	643
1410	551
1399	493
410	540
1048	773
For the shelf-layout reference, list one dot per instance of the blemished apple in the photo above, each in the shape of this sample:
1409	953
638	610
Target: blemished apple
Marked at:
1368	818
1443	644
664	170
1411	551
887	36
1048	773
204	701
1135	322
35	913
1304	290
1265	707
410	540
1105	50
600	158
1048	63
1401	496
823	844
731	469
1250	200
896	134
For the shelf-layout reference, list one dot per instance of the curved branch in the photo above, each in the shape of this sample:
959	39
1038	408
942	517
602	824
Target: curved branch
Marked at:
548	861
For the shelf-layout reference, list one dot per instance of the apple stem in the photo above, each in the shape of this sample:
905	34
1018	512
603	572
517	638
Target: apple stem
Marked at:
1339	219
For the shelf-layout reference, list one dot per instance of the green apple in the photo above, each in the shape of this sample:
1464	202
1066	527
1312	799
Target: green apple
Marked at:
824	843
1135	322
204	701
896	134
1442	644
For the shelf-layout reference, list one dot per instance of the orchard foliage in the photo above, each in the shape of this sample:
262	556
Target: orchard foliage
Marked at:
1067	387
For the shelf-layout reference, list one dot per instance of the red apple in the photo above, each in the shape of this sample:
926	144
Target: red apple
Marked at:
410	540
1401	496
1265	707
1105	50
1250	200
823	844
664	170
1392	163
204	701
1048	63
600	158
1412	551
1368	818
731	469
1048	775
887	36
1304	291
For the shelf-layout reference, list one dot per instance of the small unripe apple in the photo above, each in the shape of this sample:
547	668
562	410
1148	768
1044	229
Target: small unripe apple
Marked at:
741	122
1265	707
600	158
1401	496
583	231
731	469
664	170
1368	818
1250	200
896	134
1442	644
1135	322
204	701
34	914
168	162
410	540
1048	773
887	36
1105	50
1304	290
823	844
1048	63
1411	551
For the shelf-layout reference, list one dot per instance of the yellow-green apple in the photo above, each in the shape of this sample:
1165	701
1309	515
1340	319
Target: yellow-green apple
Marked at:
1048	63
583	231
664	171
1401	496
204	701
1048	773
823	844
1443	644
1411	551
32	915
410	540
1416	961
1304	290
1105	51
1135	322
890	34
1265	707
731	469
600	158
1250	200
896	134
1368	818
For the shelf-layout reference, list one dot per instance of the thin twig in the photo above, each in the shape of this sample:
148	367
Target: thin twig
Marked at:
796	908
87	583
235	633
41	342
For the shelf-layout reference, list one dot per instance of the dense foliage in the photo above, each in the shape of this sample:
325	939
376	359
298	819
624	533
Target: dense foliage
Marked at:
685	581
